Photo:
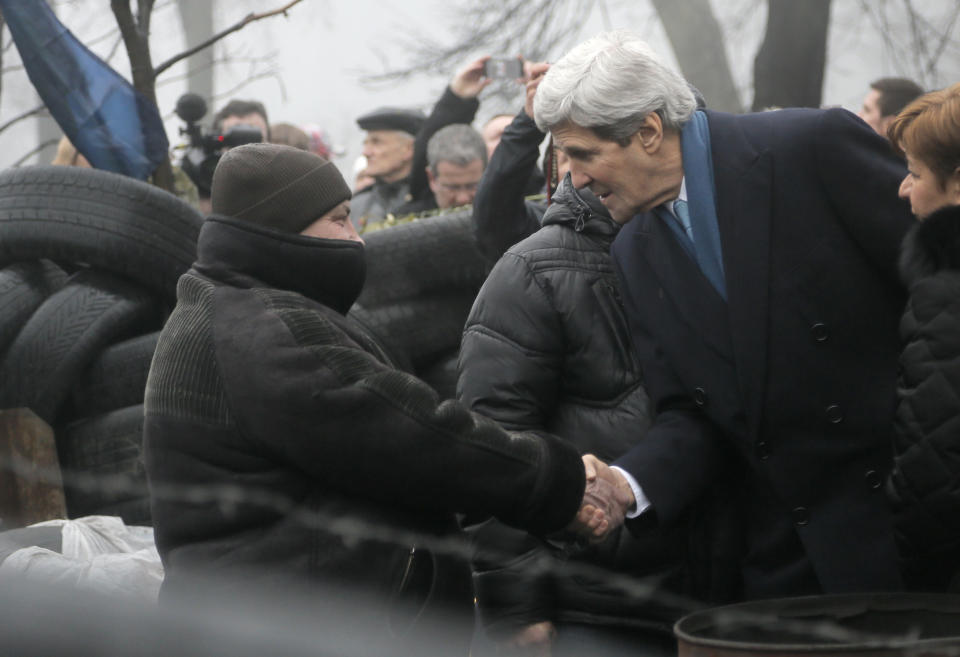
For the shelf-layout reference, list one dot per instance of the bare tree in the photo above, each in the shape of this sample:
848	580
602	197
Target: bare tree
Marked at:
788	69
136	37
134	28
705	64
915	42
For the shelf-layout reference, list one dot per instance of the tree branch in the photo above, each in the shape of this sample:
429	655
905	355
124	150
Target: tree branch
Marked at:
40	147
250	18
39	109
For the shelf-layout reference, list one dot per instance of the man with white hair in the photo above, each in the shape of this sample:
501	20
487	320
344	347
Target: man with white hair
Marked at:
759	280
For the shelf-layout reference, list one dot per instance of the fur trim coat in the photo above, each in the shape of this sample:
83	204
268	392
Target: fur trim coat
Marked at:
925	482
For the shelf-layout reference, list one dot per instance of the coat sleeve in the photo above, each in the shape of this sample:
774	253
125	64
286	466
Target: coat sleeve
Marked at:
682	452
501	216
512	350
449	109
861	176
304	393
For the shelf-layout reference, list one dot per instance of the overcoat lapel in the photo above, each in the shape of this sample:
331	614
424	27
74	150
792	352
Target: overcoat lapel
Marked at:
744	189
682	282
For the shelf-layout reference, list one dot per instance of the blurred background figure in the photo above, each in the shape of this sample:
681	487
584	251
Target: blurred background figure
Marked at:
493	130
320	142
456	158
243	112
290	135
68	155
361	180
388	147
887	96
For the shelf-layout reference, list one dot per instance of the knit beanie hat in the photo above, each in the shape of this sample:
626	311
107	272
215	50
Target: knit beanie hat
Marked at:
276	186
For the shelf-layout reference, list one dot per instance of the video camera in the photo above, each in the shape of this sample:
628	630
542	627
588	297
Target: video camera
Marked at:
205	150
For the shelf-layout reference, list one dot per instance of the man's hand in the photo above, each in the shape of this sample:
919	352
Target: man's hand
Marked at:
533	74
606	500
469	82
532	641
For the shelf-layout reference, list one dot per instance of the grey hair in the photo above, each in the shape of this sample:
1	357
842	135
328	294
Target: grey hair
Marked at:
458	144
609	84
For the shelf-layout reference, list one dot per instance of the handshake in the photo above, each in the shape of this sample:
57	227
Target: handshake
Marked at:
606	501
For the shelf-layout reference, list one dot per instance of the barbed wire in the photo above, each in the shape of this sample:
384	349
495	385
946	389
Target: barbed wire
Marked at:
352	530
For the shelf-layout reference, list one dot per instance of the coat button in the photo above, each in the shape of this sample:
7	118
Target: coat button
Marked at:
763	450
834	414
873	479
819	332
700	397
801	516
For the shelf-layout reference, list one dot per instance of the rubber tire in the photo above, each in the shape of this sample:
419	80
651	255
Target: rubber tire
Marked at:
428	255
102	219
117	378
422	330
65	334
101	459
23	287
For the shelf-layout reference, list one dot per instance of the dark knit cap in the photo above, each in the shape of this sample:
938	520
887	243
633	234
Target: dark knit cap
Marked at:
276	186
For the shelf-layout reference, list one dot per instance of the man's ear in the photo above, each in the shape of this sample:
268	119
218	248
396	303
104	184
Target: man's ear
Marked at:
431	179
408	151
885	123
650	134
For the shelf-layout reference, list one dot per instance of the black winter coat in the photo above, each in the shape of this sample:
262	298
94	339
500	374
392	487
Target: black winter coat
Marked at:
925	482
546	347
261	389
501	215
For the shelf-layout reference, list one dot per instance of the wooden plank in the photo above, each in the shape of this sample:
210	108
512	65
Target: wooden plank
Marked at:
31	486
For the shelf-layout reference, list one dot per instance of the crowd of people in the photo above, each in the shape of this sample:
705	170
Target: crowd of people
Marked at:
715	359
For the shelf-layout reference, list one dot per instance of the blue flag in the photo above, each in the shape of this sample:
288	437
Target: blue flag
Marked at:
112	124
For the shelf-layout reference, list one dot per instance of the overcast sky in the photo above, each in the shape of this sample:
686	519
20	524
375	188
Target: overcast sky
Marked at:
320	50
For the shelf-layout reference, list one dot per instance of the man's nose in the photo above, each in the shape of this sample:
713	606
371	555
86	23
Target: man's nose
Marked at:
579	178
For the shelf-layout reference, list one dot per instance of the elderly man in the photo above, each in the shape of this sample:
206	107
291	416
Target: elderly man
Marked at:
388	148
759	280
281	445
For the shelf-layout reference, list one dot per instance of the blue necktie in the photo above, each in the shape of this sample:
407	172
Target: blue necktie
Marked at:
683	214
703	254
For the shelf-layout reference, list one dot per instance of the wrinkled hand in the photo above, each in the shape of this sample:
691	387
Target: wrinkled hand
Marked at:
606	500
532	641
533	74
470	81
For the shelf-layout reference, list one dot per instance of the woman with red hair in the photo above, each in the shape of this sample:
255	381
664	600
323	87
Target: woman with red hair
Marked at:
925	483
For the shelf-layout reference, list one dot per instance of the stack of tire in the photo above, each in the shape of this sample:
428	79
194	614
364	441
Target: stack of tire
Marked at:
422	279
89	262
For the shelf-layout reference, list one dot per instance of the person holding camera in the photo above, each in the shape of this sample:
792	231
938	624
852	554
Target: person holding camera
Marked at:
238	122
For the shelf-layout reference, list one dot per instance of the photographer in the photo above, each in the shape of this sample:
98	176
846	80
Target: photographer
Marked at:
238	122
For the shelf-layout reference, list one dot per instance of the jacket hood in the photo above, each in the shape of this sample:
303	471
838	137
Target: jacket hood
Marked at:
579	209
331	272
931	245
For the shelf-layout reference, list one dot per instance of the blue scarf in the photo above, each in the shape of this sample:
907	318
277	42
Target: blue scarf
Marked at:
698	171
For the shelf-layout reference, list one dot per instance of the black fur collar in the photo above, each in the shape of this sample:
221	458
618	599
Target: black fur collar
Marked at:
931	246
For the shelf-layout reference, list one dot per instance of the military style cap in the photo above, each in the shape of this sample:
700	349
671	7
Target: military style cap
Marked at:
392	118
